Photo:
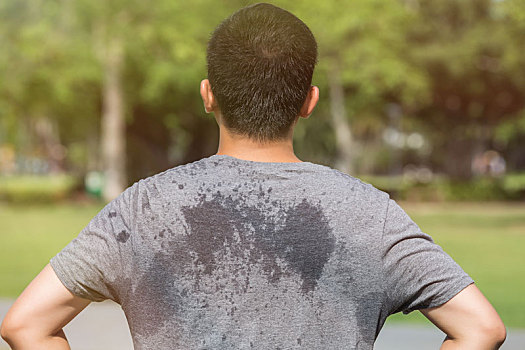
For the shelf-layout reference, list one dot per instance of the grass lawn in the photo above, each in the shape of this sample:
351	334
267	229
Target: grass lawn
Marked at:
31	235
486	239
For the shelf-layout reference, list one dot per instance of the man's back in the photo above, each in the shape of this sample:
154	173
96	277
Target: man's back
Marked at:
225	253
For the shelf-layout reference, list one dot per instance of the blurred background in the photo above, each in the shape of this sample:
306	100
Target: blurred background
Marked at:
423	99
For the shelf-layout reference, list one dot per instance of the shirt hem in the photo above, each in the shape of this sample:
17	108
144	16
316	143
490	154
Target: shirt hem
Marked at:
464	283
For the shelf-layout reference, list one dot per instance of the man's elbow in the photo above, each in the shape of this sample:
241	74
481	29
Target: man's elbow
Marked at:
486	333
10	329
15	329
20	334
494	331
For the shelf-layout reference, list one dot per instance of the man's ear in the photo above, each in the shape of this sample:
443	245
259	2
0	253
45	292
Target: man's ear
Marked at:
210	104
309	104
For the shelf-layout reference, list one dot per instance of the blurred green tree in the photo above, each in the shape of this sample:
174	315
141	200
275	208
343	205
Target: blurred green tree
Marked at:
462	45
364	64
116	82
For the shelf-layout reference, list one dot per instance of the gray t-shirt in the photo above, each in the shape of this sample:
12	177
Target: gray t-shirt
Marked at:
225	253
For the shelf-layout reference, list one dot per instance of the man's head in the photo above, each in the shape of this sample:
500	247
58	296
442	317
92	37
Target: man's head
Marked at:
260	65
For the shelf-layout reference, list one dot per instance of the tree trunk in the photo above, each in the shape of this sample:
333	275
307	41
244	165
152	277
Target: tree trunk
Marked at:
462	149
48	140
343	134
459	158
113	140
93	161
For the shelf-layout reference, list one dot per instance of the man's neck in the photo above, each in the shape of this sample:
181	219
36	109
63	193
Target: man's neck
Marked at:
244	148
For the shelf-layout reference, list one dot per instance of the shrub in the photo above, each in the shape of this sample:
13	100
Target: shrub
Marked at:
514	185
36	188
477	189
508	187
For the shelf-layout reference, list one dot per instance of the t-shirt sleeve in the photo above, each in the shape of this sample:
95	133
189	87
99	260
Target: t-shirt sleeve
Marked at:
92	263
418	274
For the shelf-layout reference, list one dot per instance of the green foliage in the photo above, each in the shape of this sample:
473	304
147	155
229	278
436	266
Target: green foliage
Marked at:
29	189
477	189
514	184
510	129
508	187
416	55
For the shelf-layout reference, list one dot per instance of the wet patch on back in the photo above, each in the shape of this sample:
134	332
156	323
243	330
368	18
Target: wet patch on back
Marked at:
227	239
123	236
296	240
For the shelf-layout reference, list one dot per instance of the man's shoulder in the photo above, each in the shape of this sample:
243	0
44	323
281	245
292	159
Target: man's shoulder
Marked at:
163	181
182	170
357	185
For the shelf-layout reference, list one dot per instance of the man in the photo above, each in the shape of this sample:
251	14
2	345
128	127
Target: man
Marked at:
252	247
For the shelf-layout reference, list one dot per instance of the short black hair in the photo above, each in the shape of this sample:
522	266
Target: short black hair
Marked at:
260	65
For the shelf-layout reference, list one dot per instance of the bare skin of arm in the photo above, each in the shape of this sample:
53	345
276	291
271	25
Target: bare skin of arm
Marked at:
469	321
36	319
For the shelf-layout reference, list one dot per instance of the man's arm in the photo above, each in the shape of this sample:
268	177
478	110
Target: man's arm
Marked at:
36	319
469	321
